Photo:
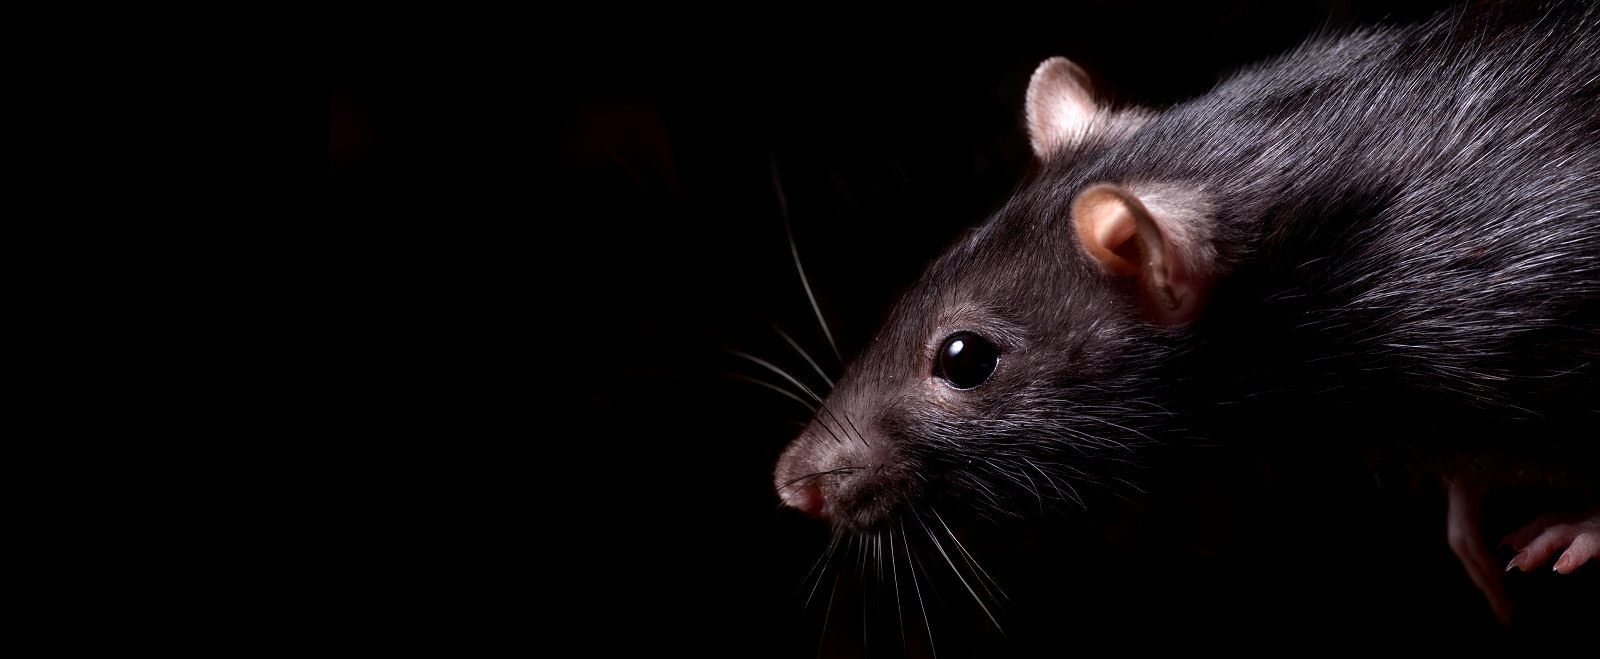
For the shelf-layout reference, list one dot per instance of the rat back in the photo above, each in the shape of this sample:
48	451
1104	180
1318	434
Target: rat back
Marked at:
1423	230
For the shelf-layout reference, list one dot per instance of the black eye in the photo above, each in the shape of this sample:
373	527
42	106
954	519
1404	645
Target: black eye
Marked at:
966	360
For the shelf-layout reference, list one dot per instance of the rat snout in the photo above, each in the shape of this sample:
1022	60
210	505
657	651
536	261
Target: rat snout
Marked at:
835	473
805	496
802	472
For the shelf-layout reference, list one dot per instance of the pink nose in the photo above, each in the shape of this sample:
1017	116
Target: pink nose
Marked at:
806	498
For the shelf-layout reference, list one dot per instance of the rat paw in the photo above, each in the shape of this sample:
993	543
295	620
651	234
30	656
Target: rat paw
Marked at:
1538	541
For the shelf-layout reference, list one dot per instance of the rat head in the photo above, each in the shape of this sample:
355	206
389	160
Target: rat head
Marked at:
1024	370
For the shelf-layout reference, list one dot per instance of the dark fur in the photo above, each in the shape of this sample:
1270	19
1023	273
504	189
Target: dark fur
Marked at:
1411	218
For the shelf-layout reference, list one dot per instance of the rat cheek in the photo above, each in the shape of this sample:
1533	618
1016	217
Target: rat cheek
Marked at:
941	396
945	404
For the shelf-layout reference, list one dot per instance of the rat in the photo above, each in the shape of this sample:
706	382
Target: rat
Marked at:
1385	242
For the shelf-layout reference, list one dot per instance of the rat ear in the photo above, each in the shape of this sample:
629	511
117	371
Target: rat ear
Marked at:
1060	106
1159	237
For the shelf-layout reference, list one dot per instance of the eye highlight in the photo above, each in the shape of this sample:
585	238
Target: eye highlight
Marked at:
966	360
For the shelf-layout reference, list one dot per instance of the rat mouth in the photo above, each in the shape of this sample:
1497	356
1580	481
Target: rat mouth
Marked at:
876	500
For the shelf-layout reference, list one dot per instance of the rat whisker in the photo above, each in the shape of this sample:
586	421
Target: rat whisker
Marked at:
863	564
818	474
827	613
975	598
862	437
820	568
785	375
778	371
804	355
911	568
984	579
781	390
894	573
783	209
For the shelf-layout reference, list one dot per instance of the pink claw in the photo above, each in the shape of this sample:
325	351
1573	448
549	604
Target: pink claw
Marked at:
1535	543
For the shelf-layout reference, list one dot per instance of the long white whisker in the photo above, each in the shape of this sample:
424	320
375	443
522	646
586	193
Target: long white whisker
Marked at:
781	390
971	562
780	372
894	570
979	600
828	613
783	209
863	575
821	563
805	355
785	375
911	568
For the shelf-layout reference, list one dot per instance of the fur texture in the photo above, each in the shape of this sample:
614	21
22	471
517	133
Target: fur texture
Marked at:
1408	223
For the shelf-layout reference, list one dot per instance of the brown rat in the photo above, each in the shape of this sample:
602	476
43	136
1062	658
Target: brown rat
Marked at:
1386	243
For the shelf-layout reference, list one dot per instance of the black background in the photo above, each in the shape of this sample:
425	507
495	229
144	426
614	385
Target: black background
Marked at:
550	234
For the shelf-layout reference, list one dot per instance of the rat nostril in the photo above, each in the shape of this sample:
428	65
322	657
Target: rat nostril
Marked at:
806	498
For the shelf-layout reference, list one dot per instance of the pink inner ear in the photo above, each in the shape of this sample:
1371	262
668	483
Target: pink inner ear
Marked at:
1060	106
1120	236
1107	231
1116	228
